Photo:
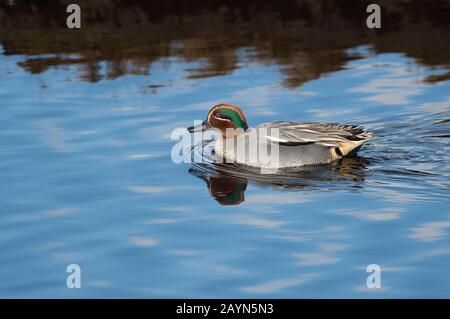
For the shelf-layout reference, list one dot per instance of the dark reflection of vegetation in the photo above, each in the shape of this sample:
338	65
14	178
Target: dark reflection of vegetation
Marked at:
227	184
437	78
305	38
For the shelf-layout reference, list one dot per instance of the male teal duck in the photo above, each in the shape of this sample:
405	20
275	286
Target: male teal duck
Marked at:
296	143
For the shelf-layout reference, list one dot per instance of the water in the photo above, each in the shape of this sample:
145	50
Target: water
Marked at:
88	179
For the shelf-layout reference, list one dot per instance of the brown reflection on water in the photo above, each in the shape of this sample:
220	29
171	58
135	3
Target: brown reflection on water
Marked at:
227	185
305	38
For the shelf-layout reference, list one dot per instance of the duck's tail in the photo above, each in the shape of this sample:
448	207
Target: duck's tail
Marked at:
354	143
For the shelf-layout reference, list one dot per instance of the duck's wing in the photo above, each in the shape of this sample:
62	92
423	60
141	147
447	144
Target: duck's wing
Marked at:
346	138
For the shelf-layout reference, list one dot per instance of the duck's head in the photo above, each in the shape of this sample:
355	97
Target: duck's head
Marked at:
223	116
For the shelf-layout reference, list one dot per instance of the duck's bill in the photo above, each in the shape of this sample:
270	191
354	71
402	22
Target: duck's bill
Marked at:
199	127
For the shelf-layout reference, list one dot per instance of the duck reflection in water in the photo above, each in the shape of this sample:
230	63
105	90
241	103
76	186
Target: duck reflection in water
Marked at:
227	186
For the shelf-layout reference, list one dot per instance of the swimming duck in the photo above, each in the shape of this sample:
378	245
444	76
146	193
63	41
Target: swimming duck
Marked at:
295	143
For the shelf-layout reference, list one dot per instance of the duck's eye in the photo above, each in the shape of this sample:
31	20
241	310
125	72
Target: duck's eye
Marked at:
221	116
232	116
227	114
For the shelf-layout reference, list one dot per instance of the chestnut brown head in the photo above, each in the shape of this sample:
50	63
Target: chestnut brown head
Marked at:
223	116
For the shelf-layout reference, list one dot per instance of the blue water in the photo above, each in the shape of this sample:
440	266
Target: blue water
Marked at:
88	179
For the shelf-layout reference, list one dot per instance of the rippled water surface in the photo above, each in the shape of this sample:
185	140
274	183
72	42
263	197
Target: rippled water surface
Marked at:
88	178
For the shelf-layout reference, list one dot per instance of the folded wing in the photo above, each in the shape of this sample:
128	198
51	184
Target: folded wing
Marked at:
346	139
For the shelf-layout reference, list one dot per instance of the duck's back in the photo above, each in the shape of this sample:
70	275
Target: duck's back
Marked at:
294	144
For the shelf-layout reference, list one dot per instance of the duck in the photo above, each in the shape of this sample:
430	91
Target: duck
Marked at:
284	144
